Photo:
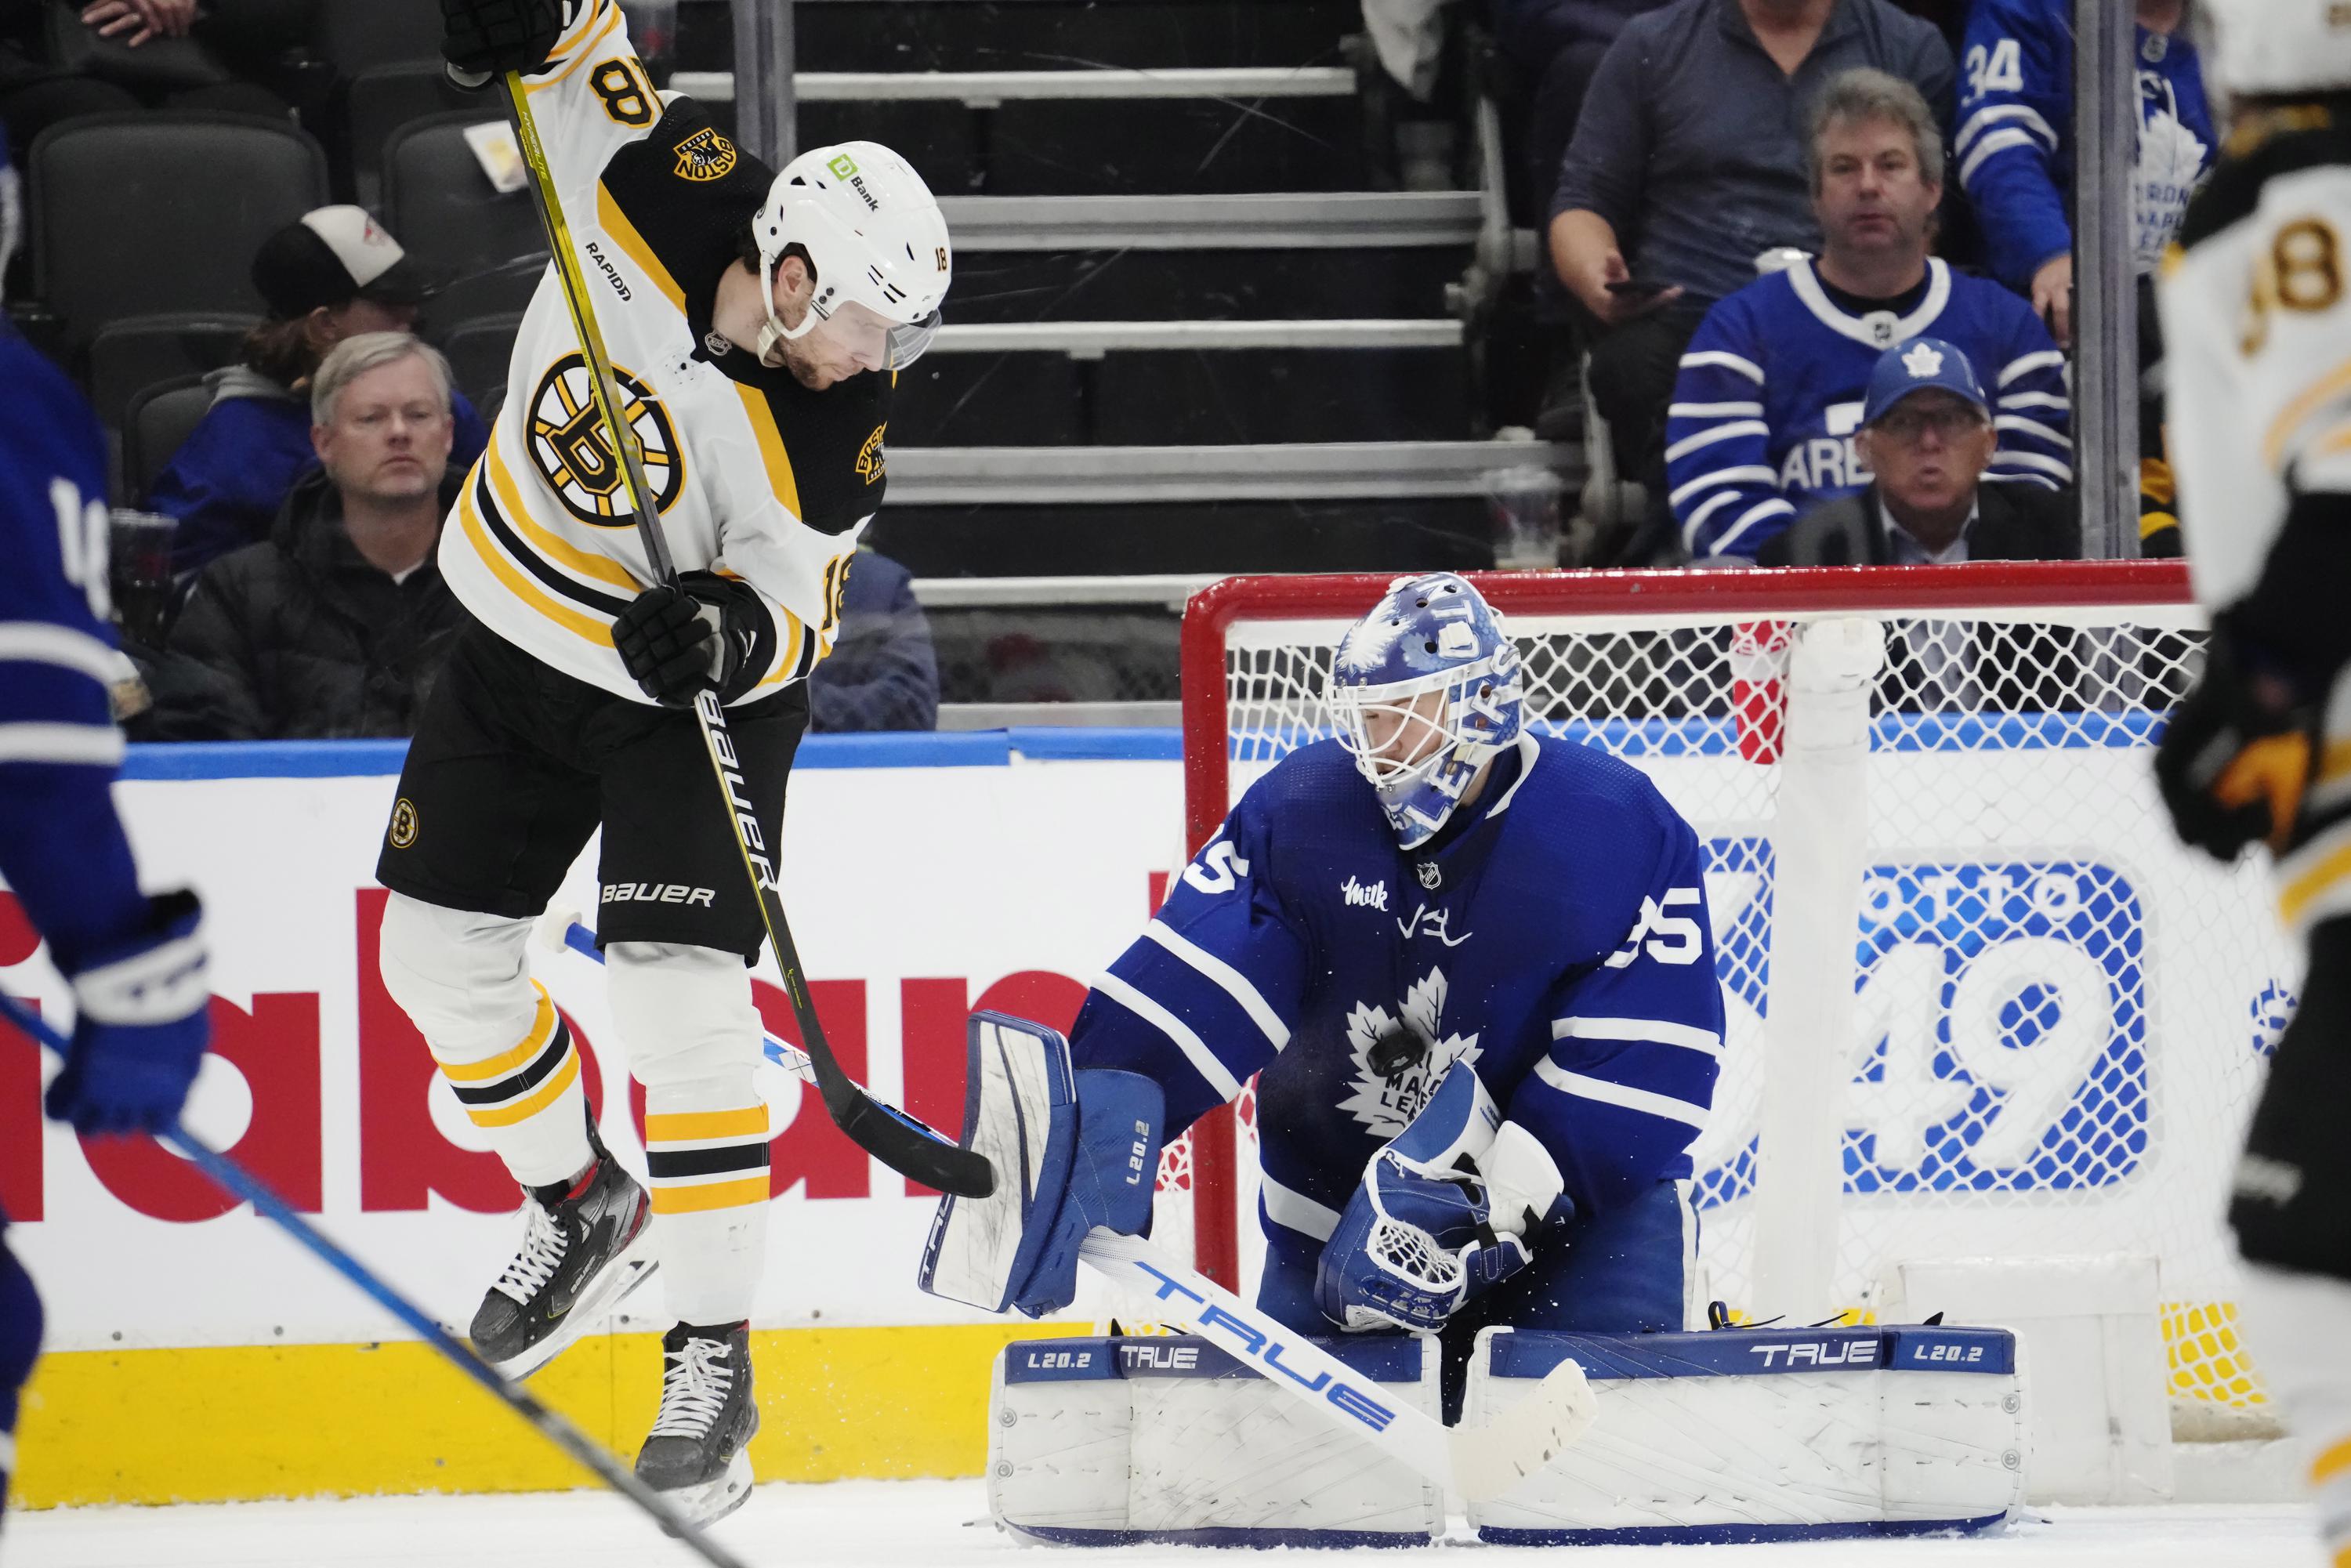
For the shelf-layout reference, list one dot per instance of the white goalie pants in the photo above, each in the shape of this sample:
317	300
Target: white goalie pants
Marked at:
685	1015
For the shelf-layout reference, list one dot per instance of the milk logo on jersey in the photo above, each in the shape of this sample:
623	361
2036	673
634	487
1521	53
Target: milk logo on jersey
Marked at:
705	156
1385	1104
870	463
1360	896
569	448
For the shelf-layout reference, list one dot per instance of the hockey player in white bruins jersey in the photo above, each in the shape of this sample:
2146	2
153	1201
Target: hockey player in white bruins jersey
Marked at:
2258	330
756	321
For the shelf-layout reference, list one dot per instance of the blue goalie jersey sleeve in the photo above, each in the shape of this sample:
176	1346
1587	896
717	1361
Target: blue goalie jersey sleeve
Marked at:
62	849
1771	390
1555	938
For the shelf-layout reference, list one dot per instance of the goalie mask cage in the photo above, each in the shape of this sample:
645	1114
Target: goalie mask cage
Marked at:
1978	1001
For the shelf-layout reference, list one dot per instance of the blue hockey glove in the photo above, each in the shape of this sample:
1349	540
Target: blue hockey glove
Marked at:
1071	1151
140	1026
1442	1216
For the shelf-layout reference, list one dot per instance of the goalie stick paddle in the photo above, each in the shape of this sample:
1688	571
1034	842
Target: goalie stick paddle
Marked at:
550	1423
889	1134
1479	1462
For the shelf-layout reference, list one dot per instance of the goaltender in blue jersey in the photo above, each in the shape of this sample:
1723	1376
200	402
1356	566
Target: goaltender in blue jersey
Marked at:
136	963
1473	972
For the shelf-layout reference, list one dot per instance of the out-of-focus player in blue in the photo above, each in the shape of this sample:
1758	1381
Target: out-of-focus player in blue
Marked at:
136	963
1474	971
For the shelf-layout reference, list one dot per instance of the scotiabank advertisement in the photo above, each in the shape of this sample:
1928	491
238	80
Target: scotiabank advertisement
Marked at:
983	877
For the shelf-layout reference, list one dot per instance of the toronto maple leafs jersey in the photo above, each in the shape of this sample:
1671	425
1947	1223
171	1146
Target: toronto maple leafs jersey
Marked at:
1771	390
1554	936
755	477
2015	145
62	849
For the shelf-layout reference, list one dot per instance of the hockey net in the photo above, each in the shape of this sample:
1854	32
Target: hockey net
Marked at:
2056	1017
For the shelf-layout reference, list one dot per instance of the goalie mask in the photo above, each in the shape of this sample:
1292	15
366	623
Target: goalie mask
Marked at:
876	243
1424	691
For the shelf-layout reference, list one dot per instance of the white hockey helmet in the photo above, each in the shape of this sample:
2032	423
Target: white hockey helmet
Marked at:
2276	48
876	240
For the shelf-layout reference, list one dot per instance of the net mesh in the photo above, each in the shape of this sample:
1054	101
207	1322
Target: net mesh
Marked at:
2060	1016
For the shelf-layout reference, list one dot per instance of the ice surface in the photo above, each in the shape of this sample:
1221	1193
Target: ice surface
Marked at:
943	1524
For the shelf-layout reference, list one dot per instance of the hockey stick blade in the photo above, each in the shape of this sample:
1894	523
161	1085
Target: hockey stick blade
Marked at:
1480	1463
548	1423
889	1134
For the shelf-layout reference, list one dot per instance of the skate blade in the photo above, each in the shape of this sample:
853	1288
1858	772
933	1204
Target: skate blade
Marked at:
631	1267
714	1500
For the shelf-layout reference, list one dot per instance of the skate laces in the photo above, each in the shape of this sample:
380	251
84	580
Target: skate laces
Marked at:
694	1386
543	1246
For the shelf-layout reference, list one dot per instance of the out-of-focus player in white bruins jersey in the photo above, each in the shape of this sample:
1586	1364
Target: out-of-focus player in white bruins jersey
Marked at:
756	322
2258	321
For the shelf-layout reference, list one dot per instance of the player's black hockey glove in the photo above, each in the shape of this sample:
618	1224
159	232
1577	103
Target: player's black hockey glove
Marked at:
482	39
2235	760
709	631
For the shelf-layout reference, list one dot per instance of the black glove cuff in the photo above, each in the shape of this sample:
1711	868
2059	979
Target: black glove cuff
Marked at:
745	628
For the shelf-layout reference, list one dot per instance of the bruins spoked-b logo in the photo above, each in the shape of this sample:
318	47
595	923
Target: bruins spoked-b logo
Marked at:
403	824
705	156
568	444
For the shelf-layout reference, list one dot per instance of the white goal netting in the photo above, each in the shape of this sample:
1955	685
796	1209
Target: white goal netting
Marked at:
2053	1019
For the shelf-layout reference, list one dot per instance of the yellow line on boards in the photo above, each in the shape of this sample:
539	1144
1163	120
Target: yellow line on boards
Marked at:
240	1422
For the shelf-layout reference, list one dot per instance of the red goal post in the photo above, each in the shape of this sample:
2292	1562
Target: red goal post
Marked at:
2073	1009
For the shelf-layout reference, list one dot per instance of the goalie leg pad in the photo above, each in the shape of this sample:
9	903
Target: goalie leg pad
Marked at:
1105	1442
1765	1434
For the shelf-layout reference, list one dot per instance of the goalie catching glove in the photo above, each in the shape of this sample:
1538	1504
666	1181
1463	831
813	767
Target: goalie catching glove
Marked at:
1442	1216
709	631
1071	1151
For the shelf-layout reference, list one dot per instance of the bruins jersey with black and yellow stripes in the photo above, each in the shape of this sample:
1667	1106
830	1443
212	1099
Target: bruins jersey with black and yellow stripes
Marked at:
2257	334
754	476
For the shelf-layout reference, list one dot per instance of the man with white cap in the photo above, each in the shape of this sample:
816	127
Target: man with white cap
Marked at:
756	321
333	273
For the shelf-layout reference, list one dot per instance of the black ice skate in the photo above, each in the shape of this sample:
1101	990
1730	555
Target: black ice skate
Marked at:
581	1253
697	1455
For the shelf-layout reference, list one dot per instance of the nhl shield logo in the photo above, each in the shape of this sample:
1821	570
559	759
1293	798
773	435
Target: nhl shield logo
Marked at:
705	156
1431	876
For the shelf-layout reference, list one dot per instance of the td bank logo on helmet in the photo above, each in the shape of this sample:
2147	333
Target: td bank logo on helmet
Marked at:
657	892
845	168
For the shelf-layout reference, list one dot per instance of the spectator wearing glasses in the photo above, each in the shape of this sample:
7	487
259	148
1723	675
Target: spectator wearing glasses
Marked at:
1927	437
1688	162
1771	390
332	274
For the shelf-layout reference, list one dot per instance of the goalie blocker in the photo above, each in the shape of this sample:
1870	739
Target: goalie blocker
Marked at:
1736	1436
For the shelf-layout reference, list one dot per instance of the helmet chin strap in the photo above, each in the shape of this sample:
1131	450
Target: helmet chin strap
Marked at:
774	332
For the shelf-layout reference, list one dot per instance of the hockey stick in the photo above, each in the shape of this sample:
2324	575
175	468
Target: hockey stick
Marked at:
550	1423
1479	1462
892	1136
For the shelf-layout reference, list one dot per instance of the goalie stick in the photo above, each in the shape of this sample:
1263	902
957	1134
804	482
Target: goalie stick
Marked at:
889	1134
1479	1462
550	1423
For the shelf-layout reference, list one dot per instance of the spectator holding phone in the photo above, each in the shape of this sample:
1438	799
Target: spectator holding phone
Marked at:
1688	162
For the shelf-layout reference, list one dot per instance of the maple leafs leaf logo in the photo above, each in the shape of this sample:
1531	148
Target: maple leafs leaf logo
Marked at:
1384	1106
